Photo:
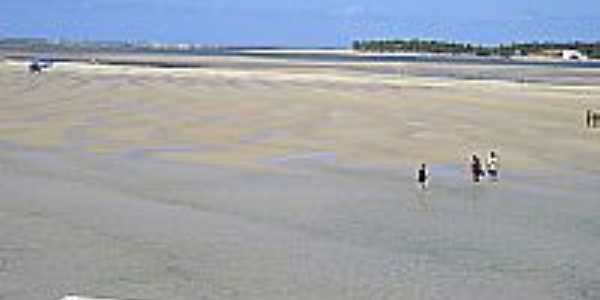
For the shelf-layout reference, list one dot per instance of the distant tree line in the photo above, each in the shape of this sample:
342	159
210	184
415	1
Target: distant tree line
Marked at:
591	50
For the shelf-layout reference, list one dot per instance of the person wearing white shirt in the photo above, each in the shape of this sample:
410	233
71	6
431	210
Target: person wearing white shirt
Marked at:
492	166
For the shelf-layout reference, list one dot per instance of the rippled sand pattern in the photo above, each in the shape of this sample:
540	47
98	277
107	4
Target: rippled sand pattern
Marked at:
294	183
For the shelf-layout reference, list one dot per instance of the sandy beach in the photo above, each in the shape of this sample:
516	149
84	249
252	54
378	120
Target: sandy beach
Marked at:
251	178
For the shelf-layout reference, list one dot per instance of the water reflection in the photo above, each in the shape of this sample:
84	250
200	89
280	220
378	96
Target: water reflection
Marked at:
423	200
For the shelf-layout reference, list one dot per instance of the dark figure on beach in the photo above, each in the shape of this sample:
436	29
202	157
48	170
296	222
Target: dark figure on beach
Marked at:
476	169
492	166
35	68
423	176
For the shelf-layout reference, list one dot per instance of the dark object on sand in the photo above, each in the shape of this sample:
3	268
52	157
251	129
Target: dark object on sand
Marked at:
423	176
592	119
35	68
38	66
476	169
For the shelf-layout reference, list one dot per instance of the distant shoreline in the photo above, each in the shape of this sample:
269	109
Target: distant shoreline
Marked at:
190	60
350	52
407	56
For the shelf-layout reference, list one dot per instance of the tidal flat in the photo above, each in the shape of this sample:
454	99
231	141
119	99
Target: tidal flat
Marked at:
251	178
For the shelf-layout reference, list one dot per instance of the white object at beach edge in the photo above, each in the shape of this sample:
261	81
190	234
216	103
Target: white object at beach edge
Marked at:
70	297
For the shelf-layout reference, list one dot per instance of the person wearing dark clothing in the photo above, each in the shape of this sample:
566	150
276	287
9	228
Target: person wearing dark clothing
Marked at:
476	169
423	176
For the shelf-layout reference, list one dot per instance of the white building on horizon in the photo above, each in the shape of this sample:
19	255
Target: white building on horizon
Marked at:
573	55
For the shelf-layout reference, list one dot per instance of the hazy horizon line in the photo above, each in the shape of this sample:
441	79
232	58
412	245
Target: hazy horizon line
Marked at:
285	46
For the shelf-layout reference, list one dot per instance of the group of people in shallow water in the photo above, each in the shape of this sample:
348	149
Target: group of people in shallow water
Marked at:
478	170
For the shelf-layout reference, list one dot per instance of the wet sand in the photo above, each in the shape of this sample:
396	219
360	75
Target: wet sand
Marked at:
295	180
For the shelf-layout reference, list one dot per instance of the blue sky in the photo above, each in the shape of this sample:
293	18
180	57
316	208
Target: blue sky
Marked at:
302	23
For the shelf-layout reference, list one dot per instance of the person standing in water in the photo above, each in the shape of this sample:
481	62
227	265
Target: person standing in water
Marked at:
492	166
476	168
423	177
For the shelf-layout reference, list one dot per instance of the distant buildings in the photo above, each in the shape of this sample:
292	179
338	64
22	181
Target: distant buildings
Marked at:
553	50
46	45
566	54
573	55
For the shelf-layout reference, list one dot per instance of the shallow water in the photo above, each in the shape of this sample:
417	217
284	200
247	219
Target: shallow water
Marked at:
145	229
